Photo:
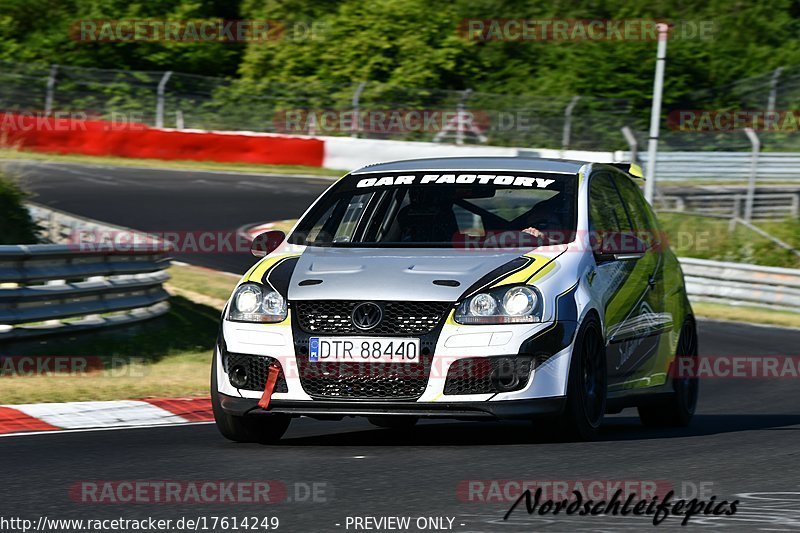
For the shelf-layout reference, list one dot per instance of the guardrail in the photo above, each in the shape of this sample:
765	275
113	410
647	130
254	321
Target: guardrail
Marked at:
53	288
66	287
765	206
742	284
781	166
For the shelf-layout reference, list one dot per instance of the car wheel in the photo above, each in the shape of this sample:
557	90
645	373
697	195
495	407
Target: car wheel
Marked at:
679	409
264	429
587	385
393	422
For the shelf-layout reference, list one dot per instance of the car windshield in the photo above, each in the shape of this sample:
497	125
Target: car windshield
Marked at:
443	210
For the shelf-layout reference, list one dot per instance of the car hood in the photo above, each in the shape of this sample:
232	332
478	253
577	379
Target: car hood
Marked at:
396	274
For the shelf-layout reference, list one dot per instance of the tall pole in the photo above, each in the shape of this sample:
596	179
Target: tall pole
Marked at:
751	182
51	88
356	126
633	144
567	131
655	113
773	89
160	99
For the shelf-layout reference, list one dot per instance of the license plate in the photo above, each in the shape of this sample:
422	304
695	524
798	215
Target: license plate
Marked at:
363	350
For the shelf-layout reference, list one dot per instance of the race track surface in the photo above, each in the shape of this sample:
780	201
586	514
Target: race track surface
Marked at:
743	444
171	200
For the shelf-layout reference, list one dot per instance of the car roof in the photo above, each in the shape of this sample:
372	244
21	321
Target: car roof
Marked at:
529	164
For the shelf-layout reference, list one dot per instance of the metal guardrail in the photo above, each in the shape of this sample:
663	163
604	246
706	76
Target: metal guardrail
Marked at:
65	287
742	284
765	206
783	166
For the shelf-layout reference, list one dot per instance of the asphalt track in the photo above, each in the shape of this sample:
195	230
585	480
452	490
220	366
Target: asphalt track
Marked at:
164	201
744	443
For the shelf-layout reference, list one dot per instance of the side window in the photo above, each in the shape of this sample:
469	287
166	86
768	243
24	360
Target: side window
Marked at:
644	223
606	210
344	233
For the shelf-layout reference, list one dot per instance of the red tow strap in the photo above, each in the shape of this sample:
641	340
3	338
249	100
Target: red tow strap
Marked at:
272	378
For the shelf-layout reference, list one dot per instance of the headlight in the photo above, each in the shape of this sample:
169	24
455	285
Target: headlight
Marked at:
255	303
517	304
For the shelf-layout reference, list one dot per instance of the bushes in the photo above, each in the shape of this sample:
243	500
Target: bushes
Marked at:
16	225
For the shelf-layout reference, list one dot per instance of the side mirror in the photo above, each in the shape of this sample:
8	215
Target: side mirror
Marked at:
266	242
619	246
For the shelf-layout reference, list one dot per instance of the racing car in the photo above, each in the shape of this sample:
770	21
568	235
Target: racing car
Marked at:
469	288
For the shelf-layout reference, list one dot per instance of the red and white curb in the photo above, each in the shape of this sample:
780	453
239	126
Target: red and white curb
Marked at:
40	417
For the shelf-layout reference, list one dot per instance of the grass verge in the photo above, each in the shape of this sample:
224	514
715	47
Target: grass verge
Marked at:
168	356
709	238
749	315
8	153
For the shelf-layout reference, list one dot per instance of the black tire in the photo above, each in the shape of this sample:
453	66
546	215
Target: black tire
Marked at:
264	429
587	386
393	422
679	409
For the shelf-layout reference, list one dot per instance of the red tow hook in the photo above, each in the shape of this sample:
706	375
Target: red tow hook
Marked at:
272	378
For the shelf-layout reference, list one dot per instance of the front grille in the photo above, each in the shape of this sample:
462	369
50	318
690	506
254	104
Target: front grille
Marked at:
332	317
488	375
256	368
365	381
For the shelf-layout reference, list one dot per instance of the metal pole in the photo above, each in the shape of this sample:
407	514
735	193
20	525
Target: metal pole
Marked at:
356	127
160	99
751	183
460	116
773	90
179	119
633	144
655	113
565	135
51	89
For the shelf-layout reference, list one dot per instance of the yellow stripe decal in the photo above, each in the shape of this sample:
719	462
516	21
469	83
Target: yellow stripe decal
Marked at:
522	276
256	274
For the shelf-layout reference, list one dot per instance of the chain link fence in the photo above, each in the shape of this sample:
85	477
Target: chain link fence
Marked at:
179	100
184	101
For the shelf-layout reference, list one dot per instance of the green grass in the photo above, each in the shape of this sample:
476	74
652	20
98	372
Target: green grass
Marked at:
202	281
709	238
167	356
754	315
8	153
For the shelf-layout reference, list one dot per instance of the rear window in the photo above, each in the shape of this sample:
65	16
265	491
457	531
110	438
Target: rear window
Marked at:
443	210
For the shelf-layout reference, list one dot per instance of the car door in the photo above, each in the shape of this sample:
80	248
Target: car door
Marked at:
654	320
619	285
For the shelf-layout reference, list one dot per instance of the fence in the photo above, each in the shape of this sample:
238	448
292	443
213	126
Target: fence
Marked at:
184	101
63	288
742	284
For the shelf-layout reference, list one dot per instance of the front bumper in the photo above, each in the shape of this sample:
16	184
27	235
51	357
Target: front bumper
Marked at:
480	410
454	343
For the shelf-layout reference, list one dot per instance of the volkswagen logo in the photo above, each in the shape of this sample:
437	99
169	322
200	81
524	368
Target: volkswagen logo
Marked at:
366	315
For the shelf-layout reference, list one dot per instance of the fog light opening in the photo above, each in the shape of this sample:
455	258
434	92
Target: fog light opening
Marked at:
505	376
238	376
